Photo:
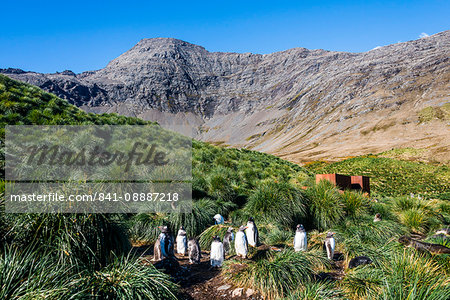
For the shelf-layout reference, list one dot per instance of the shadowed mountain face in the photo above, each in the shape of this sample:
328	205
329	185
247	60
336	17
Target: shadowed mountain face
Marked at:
299	104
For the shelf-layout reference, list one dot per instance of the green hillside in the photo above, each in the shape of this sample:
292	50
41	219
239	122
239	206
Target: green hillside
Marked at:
24	104
393	177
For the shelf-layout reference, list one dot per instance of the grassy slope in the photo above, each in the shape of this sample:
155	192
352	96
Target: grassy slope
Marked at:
25	104
225	177
391	176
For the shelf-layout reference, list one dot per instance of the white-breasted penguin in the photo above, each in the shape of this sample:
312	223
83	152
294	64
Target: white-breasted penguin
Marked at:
217	253
252	233
194	251
240	244
218	219
330	245
300	239
227	239
182	241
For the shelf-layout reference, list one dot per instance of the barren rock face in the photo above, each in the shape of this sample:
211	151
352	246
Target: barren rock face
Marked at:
299	104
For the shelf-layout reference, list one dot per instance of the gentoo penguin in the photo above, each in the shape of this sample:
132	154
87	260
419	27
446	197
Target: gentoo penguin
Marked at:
330	245
182	241
164	244
217	254
359	260
252	233
377	218
227	239
300	239
240	244
194	251
218	219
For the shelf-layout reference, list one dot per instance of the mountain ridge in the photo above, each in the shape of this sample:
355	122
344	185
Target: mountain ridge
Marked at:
299	104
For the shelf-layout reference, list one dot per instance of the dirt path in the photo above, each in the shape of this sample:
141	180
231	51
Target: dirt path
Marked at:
199	281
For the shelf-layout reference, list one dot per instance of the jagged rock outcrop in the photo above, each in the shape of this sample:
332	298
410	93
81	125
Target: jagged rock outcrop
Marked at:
299	104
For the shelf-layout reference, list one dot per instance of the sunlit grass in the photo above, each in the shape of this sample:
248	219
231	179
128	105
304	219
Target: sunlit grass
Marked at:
274	275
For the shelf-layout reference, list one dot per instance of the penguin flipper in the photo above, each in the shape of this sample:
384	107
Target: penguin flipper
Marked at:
246	243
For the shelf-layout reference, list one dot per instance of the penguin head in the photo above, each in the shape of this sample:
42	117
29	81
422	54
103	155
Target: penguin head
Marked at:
216	238
230	229
181	227
164	229
300	227
242	228
330	234
378	215
251	219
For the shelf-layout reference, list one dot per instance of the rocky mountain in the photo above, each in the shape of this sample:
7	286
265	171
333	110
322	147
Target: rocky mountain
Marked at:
299	104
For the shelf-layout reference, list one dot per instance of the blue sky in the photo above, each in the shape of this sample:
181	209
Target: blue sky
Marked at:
50	36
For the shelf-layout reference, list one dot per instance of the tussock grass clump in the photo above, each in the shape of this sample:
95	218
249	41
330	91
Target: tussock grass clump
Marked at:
324	205
278	237
401	275
143	228
28	274
200	218
221	183
274	274
384	208
126	278
368	232
363	283
355	204
416	219
91	238
412	276
276	203
418	215
317	291
206	236
367	238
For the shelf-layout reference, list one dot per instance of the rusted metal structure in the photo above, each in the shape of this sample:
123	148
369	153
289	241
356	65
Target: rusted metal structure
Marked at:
347	182
361	183
341	181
